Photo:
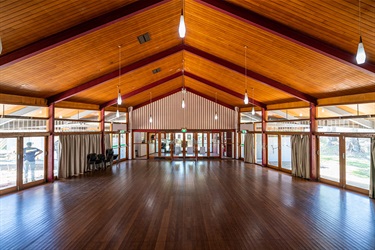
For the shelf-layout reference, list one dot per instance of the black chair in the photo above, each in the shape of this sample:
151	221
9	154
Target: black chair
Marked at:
100	161
109	156
91	161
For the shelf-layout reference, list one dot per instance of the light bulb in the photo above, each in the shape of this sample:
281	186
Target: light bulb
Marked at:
150	119
216	115
117	114
183	103
182	27
322	110
119	98
1	46
246	99
253	111
361	54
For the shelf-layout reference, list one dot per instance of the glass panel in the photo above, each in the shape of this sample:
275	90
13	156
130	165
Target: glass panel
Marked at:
56	156
33	159
77	114
110	116
353	125
246	117
273	152
152	144
288	114
242	145
123	146
8	162
166	144
286	152
329	158
358	162
140	144
190	143
24	111
346	110
202	144
115	145
258	148
215	145
8	125
76	126
178	138
300	126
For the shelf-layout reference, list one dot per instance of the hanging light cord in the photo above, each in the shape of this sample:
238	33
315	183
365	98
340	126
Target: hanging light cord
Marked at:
119	67
245	67
359	17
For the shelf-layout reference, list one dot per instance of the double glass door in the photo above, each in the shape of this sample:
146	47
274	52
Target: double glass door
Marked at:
345	161
22	162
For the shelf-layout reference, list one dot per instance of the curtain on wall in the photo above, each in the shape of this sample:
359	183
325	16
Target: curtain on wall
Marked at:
107	141
74	151
300	156
249	148
372	169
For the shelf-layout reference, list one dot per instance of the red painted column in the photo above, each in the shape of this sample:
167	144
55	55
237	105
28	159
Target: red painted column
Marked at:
264	138
102	129
313	157
51	142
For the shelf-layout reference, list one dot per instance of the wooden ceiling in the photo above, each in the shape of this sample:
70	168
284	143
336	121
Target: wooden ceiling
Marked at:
299	50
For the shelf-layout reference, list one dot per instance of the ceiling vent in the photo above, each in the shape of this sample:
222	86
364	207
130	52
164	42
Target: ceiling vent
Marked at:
144	38
154	71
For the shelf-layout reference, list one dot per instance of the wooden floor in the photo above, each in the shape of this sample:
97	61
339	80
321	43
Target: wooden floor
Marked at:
186	205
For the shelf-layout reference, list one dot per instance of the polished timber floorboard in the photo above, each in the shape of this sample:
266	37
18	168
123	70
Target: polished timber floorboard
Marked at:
186	205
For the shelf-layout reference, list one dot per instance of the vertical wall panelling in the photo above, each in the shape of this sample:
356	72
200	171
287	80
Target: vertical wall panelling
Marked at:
167	113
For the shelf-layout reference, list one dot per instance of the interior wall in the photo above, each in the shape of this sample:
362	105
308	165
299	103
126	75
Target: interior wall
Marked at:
199	113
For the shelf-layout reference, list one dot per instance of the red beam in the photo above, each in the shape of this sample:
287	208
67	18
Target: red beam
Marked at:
77	31
286	32
73	91
224	89
263	79
144	88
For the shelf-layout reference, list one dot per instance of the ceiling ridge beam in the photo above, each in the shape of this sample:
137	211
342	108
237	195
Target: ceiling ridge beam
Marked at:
261	78
85	86
144	88
224	89
288	33
77	31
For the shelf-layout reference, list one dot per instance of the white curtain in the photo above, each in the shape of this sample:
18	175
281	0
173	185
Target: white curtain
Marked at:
300	156
74	151
249	148
372	168
107	142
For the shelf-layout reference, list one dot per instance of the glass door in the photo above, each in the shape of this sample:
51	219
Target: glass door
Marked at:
140	145
258	148
33	159
115	146
202	144
190	145
8	163
357	162
123	146
273	150
329	158
215	144
286	152
166	144
178	145
153	145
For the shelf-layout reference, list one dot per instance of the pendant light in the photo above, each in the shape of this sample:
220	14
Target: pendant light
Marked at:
183	105
117	113
253	109
216	117
361	54
246	98
119	97
1	46
150	119
182	26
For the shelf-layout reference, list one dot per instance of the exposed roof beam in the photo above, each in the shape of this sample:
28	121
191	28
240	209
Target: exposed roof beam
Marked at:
286	32
144	88
77	31
73	91
263	79
224	89
179	89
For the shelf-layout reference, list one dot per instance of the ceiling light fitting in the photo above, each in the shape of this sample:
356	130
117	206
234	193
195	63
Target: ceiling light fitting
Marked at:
181	26
361	54
253	109
150	119
119	97
216	117
246	98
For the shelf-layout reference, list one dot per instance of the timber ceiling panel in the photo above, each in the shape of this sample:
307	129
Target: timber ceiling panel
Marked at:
83	68
233	80
25	22
271	55
335	22
93	55
130	82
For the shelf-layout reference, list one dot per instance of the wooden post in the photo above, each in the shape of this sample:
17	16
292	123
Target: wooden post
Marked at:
313	126
51	142
264	138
